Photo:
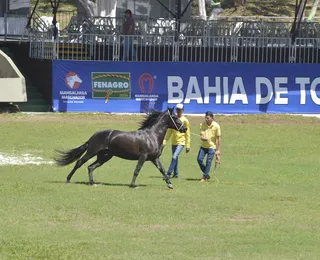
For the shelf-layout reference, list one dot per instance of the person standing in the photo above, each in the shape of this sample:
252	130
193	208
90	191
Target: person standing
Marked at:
178	141
128	31
210	135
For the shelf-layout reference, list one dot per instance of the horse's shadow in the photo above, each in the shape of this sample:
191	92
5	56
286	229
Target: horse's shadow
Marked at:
99	183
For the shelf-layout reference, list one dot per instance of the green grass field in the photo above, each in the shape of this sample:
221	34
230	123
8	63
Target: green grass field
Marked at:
266	205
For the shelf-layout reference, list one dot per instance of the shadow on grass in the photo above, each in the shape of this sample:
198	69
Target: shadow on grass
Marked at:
187	179
193	179
99	183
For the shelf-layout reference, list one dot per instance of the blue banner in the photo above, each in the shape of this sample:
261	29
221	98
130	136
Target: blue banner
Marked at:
134	87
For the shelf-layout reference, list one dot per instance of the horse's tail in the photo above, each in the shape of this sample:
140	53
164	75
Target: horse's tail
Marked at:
66	157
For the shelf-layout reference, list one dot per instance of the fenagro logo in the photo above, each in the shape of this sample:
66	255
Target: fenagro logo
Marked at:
113	85
146	83
73	80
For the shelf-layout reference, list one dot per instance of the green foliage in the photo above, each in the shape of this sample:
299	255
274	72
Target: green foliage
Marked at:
266	205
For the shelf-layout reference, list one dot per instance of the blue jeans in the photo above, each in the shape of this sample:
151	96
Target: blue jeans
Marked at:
128	45
176	150
205	168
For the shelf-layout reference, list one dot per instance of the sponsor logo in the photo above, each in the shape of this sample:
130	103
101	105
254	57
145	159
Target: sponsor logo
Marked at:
73	95
111	85
73	80
146	83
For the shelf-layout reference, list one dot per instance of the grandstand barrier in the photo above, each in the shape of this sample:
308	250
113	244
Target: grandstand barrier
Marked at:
12	82
133	87
72	46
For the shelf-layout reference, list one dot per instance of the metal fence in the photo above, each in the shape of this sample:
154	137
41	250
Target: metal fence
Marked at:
156	48
193	27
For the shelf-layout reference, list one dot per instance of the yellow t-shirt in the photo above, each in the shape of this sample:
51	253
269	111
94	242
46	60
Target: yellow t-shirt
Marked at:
177	137
211	132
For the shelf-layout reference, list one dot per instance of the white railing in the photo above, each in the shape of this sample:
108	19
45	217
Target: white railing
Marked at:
12	25
74	46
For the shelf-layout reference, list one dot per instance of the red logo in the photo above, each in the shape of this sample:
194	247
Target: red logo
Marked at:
73	80
146	83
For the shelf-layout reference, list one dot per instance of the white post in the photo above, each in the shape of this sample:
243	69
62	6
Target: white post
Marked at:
202	9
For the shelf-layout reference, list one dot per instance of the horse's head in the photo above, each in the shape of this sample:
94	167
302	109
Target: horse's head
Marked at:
71	80
174	122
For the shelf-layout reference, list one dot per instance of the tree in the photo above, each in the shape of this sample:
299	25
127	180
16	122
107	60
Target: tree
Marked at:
237	3
313	10
55	7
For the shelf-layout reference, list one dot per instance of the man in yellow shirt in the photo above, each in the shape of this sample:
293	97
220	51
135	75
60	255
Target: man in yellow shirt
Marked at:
179	141
210	134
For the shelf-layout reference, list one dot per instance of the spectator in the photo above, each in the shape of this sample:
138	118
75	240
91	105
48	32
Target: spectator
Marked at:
128	31
210	134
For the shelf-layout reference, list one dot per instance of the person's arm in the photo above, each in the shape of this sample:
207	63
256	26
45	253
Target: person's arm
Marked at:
218	150
187	124
202	134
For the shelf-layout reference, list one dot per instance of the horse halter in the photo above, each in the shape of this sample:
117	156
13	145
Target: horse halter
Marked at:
175	122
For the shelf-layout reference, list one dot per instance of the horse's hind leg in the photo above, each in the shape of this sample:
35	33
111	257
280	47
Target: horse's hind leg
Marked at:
158	164
102	157
79	163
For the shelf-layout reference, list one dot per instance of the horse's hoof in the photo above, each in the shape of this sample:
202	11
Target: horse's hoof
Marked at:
170	186
67	182
133	186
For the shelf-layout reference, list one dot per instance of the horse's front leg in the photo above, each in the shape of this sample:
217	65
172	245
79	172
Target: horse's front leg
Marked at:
158	164
141	161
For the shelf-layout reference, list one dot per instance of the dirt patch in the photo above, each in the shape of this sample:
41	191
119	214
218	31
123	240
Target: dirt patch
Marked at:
311	227
10	159
242	218
74	118
266	119
71	118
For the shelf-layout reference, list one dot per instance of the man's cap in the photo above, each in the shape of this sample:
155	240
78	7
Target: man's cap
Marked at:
179	106
128	11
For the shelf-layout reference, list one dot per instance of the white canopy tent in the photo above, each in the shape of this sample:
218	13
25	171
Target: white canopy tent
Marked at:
146	8
107	8
19	4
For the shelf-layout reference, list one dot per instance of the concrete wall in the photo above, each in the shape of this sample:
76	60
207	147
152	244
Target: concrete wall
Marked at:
39	72
12	82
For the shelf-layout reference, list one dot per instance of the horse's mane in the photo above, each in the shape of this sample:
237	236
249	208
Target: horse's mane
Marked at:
150	119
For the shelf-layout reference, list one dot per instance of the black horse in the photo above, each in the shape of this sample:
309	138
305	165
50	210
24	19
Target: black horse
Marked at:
145	144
